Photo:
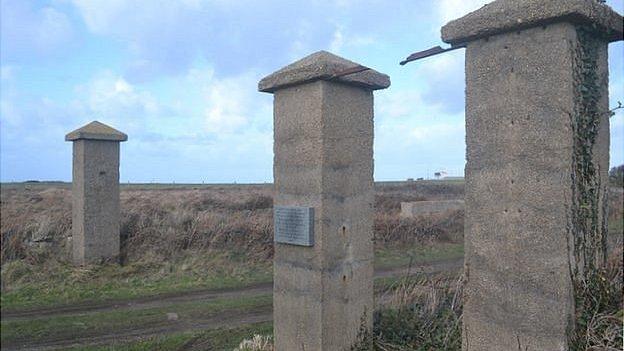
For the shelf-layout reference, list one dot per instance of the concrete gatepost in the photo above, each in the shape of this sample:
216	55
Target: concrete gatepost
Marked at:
323	132
95	192
537	135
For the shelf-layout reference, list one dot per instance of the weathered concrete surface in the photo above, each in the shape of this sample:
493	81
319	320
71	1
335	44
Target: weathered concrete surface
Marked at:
419	208
323	65
522	188
502	16
95	193
323	133
96	131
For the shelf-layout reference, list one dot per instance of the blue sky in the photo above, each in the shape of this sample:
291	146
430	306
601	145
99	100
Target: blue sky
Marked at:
180	78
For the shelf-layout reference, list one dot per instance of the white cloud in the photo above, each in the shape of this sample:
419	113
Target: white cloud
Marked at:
227	108
102	16
337	40
228	105
342	39
167	37
414	146
27	31
444	82
54	28
302	37
398	104
111	96
162	36
617	139
9	113
449	10
221	120
433	134
6	72
616	89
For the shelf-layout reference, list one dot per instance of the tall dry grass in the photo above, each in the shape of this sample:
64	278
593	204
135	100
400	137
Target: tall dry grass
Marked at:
256	343
166	223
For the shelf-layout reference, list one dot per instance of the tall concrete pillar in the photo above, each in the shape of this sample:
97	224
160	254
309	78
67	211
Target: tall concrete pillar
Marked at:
537	135
323	171
95	192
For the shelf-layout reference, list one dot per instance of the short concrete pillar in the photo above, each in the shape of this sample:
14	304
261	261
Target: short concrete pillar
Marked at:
323	131
537	134
95	192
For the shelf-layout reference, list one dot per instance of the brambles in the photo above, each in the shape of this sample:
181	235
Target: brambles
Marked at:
616	176
600	309
164	224
257	343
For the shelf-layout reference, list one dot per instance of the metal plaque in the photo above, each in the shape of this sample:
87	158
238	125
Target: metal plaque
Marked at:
294	225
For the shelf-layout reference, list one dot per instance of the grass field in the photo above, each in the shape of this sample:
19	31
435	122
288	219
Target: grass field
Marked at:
66	284
218	339
204	252
81	326
184	239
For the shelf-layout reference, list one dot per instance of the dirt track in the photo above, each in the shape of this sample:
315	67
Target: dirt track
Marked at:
139	303
229	320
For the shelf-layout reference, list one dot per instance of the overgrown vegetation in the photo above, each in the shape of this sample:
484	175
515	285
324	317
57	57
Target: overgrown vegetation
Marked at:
600	309
257	343
597	300
616	176
587	226
420	314
185	239
425	313
415	314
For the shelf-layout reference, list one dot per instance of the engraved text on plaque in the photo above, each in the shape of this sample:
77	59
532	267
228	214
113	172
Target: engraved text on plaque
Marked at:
294	225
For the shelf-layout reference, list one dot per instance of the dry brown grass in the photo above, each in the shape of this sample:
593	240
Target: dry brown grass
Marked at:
164	223
169	222
600	308
32	220
256	343
390	229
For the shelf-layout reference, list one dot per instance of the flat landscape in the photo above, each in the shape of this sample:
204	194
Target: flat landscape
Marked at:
195	270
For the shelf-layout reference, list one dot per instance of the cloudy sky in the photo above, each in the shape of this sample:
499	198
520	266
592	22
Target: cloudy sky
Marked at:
179	77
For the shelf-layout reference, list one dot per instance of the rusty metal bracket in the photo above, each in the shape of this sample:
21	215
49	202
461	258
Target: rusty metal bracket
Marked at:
348	71
430	52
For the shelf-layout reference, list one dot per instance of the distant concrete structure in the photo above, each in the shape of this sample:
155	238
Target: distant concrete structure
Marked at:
537	135
95	192
323	167
424	208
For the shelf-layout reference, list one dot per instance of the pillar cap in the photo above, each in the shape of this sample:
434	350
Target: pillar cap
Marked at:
322	65
96	131
502	16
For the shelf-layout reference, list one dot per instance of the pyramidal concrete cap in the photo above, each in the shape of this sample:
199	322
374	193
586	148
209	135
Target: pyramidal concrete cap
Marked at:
96	131
503	16
323	65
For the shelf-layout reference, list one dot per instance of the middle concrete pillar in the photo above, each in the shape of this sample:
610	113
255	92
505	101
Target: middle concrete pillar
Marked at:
323	173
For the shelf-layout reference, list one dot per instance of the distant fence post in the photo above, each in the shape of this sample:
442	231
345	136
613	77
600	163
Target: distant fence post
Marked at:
537	134
323	212
95	192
